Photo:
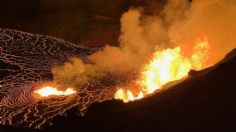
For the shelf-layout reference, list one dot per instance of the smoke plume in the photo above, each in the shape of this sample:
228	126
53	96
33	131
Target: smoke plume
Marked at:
179	23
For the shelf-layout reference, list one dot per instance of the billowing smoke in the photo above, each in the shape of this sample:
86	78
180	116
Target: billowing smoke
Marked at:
213	18
179	23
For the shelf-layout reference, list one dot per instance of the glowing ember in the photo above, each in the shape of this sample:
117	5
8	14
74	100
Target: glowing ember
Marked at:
166	66
50	91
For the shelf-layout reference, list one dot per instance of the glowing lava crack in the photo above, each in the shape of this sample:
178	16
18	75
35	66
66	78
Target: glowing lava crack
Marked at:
27	60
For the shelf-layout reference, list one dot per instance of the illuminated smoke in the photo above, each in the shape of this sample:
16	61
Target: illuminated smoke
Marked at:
143	37
165	66
180	23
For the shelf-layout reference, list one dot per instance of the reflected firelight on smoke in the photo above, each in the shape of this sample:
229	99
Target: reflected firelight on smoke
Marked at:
165	66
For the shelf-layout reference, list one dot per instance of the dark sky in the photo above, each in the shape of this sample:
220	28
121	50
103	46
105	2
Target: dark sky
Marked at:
91	22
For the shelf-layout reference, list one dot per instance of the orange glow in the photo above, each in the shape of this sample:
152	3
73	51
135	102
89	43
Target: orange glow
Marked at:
165	66
127	95
52	91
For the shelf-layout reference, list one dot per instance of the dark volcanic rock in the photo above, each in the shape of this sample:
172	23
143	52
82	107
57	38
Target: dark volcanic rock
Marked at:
202	103
205	102
192	72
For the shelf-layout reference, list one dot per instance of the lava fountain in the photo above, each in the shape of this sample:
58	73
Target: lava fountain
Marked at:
165	66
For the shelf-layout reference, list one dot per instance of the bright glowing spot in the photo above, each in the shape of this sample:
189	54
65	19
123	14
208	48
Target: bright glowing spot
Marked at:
165	66
50	91
127	95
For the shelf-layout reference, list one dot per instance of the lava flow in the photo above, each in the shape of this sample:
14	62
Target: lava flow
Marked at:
52	91
165	66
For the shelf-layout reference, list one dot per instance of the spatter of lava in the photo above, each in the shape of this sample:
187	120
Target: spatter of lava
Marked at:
165	66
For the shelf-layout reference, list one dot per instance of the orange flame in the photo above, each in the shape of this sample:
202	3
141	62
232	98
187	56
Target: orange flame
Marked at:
52	91
166	66
127	96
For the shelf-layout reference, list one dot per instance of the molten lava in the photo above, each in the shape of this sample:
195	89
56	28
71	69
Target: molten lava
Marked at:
127	96
165	66
51	91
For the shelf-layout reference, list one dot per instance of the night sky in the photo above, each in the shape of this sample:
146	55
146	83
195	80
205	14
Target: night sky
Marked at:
87	22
